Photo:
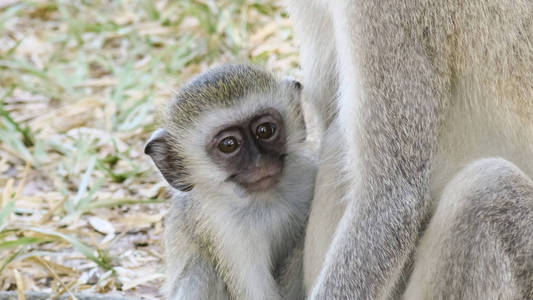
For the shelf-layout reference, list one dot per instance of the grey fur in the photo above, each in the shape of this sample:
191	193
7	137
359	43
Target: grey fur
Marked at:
221	86
484	234
221	240
424	88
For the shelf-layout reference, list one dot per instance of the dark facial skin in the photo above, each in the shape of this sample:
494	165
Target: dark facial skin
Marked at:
252	151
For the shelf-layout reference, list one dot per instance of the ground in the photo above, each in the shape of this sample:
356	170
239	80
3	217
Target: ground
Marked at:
81	206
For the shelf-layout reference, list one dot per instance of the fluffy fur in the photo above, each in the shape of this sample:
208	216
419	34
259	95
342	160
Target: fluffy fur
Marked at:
424	88
223	242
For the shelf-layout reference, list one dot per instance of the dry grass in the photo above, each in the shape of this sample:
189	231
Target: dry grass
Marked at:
80	81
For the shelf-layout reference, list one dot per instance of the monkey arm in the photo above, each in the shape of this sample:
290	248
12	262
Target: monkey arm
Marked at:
392	96
291	278
190	275
197	281
318	57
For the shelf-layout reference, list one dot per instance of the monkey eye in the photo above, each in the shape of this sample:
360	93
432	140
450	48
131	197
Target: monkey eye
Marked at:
228	145
265	130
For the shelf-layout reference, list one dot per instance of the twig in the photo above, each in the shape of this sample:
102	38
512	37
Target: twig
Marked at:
42	262
20	285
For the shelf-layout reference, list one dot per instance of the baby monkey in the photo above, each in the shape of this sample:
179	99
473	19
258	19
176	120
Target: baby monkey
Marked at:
234	142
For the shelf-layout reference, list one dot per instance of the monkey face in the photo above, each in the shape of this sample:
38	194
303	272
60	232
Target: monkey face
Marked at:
232	124
252	150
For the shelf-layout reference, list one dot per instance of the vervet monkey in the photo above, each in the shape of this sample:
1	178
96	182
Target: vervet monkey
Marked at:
422	97
234	142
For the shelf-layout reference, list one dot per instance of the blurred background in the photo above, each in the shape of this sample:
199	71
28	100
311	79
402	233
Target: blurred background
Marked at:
81	82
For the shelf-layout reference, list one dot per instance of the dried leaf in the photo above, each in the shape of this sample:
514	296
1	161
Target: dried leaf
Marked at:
101	225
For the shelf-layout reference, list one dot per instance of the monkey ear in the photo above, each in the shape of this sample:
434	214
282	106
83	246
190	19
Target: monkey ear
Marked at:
293	84
295	88
169	163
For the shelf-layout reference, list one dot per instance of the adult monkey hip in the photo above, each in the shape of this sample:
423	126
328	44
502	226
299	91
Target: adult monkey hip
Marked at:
421	92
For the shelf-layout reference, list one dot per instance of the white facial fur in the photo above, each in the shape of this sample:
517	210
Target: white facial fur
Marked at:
250	232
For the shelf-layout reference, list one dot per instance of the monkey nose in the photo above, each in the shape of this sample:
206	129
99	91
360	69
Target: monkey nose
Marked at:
258	161
261	176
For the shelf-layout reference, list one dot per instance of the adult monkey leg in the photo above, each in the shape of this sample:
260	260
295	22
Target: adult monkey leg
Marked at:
328	48
327	207
319	64
479	243
394	89
318	56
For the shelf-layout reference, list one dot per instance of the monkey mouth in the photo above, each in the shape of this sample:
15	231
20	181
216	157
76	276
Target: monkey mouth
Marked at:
259	180
262	183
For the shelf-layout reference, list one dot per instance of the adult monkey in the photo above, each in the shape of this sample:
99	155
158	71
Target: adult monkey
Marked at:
420	95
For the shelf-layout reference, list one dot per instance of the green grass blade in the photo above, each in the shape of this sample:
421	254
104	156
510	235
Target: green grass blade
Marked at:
5	212
87	251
